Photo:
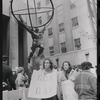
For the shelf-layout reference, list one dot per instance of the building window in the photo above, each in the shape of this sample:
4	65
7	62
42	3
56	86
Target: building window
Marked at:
63	47
39	5
51	49
50	32
72	6
40	20
61	27
47	2
77	44
74	22
48	16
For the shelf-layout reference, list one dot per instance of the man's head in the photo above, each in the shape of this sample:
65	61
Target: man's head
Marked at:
5	59
36	30
86	65
20	70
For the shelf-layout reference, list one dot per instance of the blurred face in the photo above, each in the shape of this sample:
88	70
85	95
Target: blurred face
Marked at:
47	64
22	72
14	72
66	66
41	67
6	61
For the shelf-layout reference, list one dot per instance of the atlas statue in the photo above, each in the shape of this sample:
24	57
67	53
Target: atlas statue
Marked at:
31	11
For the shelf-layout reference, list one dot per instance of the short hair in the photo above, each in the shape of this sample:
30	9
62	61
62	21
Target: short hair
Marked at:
86	65
19	70
51	64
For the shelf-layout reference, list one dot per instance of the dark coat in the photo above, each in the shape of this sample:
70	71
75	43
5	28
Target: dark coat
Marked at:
8	78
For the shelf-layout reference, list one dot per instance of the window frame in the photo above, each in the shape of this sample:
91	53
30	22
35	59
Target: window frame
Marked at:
40	20
51	51
50	32
47	2
77	44
61	27
72	6
63	48
48	16
39	5
75	22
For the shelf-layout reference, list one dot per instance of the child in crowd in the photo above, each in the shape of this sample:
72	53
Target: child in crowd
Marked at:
22	79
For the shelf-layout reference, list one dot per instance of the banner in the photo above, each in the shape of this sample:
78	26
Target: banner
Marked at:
43	85
5	95
16	95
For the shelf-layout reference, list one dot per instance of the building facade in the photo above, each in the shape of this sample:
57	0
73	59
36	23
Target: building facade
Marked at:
14	37
70	36
72	33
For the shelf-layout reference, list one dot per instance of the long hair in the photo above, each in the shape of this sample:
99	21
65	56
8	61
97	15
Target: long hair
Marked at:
68	70
51	64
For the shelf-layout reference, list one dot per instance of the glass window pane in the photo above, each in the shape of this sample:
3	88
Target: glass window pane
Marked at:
39	5
51	50
47	2
40	20
61	27
63	47
74	22
77	44
50	32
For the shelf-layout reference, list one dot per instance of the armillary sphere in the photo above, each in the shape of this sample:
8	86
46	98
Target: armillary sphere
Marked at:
32	14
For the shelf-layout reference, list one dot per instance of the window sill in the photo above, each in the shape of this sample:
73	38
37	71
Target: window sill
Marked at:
75	27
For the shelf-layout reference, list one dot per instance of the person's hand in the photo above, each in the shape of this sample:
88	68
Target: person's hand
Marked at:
42	31
21	83
4	84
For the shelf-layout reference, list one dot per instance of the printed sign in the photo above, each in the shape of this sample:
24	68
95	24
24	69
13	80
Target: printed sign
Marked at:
43	85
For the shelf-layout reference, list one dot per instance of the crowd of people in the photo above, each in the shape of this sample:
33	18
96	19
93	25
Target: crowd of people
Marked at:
79	81
13	80
81	84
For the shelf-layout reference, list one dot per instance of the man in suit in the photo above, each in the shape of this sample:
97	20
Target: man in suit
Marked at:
8	82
